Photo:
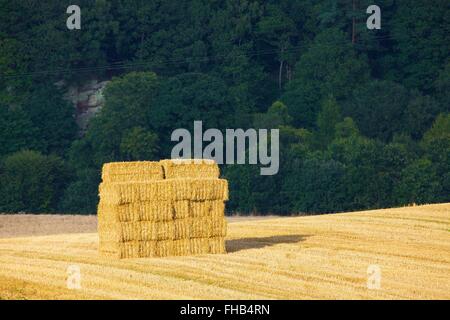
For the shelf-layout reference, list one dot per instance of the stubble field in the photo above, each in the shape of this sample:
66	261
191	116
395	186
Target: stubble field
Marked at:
310	257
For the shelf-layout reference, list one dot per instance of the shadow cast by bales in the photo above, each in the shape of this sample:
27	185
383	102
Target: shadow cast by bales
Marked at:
258	243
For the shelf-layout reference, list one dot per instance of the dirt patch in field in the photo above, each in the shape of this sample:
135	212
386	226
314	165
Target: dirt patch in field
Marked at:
20	225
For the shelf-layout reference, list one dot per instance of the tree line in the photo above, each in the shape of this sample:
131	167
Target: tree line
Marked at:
363	114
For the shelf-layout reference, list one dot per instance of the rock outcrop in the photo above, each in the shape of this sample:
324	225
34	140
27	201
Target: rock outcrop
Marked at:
87	100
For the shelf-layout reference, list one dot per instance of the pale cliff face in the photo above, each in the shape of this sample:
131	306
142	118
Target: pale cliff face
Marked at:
87	99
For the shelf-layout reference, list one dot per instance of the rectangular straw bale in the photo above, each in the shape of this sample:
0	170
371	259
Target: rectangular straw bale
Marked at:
163	248
183	189
208	208
181	208
148	249
120	250
217	209
201	246
136	231
190	168
113	213
159	210
183	247
148	231
132	171
191	246
131	192
217	245
117	232
198	209
144	177
207	227
177	247
200	189
136	211
157	231
200	228
156	210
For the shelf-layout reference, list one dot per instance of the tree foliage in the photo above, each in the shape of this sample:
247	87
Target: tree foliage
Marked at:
363	114
32	182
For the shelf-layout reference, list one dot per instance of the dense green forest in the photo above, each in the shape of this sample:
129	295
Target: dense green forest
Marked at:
363	114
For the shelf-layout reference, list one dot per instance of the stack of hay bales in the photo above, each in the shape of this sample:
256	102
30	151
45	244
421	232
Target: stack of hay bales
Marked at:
157	209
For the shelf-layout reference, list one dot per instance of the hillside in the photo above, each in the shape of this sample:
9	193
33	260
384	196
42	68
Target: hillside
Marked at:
361	115
312	257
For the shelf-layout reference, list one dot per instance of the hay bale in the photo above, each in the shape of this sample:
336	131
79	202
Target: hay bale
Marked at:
165	190
156	231
162	248
190	168
181	208
188	228
156	210
217	245
136	211
148	249
184	247
159	209
132	171
120	250
199	189
205	227
195	246
136	231
199	209
217	209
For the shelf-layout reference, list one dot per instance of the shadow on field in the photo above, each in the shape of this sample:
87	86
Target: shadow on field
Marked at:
258	243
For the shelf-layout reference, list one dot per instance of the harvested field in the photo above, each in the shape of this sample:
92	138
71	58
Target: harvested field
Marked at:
311	257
